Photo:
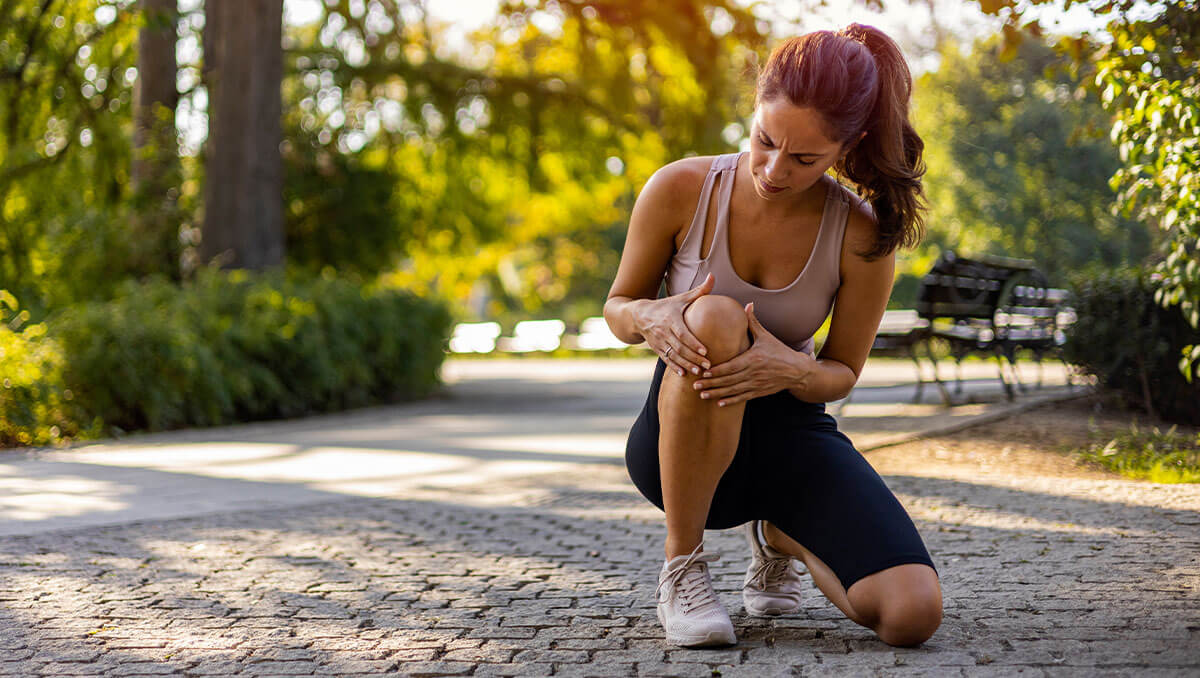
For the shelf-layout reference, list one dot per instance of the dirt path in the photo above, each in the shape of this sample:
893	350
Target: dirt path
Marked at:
1036	443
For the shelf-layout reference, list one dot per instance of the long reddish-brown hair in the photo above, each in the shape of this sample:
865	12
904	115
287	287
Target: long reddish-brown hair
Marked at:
858	81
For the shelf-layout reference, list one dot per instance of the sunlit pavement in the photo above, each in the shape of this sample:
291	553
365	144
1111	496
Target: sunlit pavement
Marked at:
495	419
492	531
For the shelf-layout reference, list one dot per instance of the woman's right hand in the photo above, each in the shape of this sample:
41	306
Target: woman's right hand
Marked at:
660	322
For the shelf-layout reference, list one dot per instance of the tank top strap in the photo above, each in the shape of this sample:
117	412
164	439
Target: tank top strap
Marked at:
689	250
833	229
727	165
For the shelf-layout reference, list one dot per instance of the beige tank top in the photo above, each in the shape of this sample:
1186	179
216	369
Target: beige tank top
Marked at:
792	313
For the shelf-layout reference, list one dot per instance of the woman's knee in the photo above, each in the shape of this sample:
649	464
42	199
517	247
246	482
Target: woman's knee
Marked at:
719	322
910	620
904	606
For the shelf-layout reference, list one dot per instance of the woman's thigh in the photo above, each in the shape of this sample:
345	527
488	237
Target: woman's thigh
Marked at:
820	491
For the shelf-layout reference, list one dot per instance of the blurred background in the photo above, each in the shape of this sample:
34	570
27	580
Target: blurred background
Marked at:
214	211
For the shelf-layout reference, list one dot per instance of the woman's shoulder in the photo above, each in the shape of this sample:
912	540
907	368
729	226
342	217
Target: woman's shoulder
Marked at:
861	225
679	182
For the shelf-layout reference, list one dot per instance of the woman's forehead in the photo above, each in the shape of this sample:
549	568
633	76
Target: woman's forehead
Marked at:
803	128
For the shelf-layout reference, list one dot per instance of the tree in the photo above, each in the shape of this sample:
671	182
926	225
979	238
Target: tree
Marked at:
155	171
1019	161
515	160
66	73
1151	79
243	196
1148	73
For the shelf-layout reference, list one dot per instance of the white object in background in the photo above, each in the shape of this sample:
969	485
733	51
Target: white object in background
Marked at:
474	337
594	335
534	335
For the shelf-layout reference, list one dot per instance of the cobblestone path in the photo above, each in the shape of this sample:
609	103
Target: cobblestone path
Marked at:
555	576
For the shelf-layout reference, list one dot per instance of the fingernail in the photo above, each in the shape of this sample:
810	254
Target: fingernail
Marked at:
707	375
721	404
704	351
704	395
695	370
681	373
707	365
698	386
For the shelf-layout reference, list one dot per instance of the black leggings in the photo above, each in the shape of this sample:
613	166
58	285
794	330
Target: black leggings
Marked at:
794	469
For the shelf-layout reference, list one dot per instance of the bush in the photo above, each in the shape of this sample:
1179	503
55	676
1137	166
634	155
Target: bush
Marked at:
1157	456
35	407
223	348
1132	344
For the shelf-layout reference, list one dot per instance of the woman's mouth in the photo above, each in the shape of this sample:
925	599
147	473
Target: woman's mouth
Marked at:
768	187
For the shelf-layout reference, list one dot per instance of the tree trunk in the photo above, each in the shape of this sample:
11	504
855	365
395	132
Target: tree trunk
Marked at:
243	193
154	171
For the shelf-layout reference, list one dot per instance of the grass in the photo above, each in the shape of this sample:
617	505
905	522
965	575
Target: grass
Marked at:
1154	455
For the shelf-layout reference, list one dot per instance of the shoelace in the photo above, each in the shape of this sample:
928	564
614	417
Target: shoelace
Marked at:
689	582
770	572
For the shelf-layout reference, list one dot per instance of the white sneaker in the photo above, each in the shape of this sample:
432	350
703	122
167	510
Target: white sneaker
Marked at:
688	607
773	583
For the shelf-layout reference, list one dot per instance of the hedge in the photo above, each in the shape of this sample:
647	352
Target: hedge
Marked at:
1132	344
223	348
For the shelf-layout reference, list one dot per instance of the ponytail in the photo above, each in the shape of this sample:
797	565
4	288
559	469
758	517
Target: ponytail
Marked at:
858	80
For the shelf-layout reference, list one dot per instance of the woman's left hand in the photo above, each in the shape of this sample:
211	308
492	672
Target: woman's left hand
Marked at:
767	367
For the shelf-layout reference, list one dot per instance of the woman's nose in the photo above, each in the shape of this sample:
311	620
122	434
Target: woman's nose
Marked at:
773	171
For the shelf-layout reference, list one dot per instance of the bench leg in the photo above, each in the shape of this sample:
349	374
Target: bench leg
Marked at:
920	377
1016	375
1008	389
937	378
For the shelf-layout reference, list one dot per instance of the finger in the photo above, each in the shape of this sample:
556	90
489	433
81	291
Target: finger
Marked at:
724	395
690	360
670	356
739	398
732	366
703	288
756	327
729	390
705	383
693	346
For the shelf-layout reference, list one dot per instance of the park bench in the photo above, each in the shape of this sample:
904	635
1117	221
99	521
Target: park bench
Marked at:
989	305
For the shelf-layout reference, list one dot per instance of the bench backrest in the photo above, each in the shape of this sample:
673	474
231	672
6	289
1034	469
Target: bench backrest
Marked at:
961	288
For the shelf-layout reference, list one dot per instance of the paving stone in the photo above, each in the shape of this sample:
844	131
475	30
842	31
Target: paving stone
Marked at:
440	586
680	670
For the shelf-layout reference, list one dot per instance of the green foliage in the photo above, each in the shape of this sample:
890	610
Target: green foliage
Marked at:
1019	163
35	407
1155	455
516	157
1132	344
339	211
1151	81
66	90
226	347
1148	76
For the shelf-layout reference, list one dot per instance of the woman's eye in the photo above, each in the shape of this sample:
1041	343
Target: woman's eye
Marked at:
766	142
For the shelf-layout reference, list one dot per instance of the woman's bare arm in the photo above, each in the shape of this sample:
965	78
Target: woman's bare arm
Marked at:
862	298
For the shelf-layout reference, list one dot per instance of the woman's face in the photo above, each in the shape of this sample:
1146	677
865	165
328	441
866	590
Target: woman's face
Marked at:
788	150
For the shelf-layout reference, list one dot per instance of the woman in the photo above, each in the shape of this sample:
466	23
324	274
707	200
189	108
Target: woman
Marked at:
755	246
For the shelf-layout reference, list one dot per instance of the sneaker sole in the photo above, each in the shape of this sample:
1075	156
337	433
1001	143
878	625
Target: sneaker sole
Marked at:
768	610
710	639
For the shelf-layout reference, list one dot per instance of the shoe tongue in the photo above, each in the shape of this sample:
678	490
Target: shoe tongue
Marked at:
700	558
